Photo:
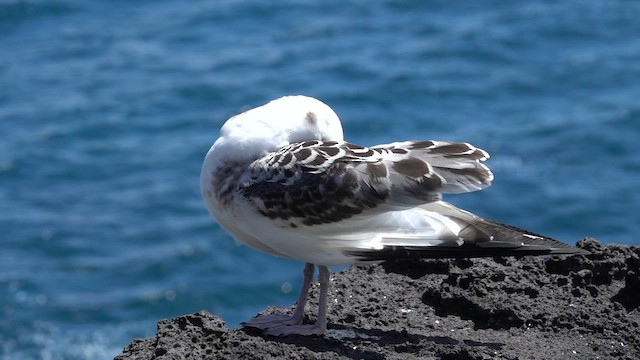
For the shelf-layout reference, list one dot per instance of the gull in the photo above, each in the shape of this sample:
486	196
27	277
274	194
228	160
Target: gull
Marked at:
281	179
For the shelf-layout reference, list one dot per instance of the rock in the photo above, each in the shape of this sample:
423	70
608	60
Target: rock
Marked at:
501	308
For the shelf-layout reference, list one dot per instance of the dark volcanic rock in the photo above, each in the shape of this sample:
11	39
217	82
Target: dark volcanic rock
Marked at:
581	307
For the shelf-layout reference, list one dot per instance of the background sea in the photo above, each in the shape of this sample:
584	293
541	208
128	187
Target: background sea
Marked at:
107	109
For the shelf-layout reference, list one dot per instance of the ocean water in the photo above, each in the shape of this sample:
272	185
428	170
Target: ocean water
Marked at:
107	109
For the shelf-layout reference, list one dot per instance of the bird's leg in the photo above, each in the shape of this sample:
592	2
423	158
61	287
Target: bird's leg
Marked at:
320	327
273	320
298	313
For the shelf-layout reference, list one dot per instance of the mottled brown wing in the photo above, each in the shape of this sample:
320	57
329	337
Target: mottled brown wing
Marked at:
317	182
458	165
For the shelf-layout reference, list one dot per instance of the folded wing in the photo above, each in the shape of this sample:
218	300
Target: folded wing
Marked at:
461	234
317	182
384	202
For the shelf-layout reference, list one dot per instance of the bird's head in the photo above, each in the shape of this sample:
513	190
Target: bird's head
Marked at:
256	132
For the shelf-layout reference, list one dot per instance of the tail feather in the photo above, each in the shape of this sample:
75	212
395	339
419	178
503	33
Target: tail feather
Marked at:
508	236
477	238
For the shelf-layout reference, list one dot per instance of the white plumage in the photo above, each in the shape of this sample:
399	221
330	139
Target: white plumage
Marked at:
281	179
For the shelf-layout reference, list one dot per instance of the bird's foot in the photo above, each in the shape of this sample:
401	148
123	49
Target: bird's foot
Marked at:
264	322
304	330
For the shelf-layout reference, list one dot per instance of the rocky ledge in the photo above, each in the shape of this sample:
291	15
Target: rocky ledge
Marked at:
570	307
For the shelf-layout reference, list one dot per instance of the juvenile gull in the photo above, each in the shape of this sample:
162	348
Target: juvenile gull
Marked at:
281	179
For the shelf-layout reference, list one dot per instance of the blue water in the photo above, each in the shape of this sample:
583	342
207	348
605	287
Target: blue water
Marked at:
108	107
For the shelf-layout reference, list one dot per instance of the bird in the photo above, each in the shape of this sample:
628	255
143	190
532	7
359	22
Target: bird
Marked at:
281	179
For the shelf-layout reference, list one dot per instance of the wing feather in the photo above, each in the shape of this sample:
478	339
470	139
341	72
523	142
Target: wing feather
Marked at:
458	164
317	182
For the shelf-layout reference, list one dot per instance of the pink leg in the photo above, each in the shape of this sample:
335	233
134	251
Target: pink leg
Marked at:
265	322
320	327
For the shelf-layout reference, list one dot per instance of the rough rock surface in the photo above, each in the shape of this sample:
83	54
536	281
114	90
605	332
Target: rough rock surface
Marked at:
575	307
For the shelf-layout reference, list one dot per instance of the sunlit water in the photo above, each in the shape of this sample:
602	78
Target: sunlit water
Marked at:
107	110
